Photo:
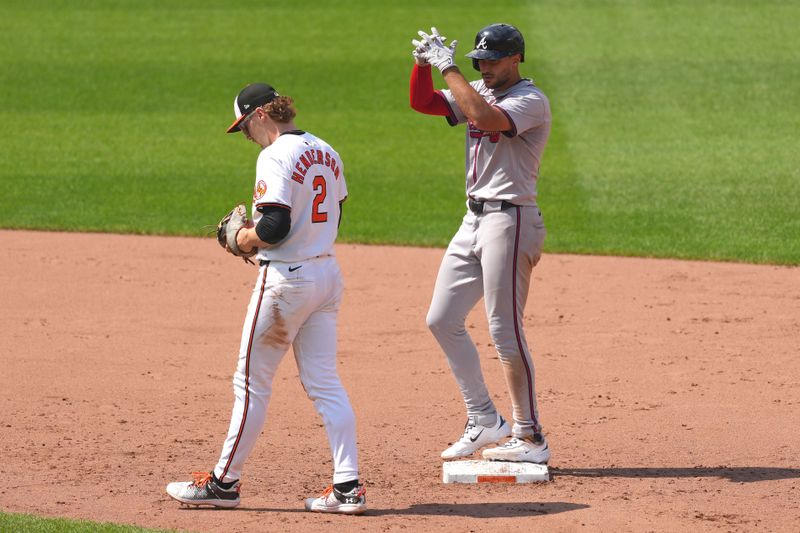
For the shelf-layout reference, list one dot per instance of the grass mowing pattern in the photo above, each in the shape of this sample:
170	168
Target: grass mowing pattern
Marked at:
674	134
139	94
35	524
676	128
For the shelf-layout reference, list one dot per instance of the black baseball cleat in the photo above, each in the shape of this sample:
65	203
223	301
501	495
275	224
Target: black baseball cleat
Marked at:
205	490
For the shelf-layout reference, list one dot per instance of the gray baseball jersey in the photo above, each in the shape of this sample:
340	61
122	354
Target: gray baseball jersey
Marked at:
505	166
494	251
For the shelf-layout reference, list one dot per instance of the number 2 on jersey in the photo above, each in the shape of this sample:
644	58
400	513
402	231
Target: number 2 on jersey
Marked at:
322	192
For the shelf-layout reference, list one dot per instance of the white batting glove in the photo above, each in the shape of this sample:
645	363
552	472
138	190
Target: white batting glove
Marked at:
436	53
418	56
420	47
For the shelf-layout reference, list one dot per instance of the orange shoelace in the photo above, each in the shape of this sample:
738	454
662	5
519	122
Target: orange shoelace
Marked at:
361	491
201	478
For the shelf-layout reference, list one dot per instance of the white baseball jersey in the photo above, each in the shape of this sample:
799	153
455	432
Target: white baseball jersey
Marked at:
304	173
295	302
505	166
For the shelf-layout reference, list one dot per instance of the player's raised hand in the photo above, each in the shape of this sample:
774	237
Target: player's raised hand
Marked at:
419	49
436	53
428	40
436	37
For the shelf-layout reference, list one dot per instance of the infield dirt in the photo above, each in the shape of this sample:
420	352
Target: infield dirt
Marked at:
669	391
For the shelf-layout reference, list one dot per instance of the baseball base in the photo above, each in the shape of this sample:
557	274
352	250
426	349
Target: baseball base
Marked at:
493	472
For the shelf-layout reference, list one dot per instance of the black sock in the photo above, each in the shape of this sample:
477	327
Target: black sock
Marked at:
222	484
347	486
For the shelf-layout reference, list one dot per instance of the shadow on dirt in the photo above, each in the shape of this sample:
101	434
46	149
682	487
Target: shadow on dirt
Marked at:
472	510
481	510
739	474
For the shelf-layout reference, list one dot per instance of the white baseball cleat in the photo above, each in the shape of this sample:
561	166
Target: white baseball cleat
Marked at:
476	437
204	490
333	501
521	450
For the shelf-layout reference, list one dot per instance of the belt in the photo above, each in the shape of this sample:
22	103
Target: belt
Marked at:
477	206
265	262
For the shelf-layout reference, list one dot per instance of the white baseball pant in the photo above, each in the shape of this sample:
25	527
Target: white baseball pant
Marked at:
295	307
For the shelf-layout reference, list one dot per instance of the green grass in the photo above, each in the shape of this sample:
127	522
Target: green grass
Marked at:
675	123
115	112
34	524
676	129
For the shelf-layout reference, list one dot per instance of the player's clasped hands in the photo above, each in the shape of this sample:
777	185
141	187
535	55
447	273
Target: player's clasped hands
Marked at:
432	50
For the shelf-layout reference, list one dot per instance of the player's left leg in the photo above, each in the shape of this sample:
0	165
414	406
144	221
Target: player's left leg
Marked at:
510	244
315	353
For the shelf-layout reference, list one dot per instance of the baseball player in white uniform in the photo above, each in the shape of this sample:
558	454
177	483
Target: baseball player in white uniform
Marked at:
501	235
296	211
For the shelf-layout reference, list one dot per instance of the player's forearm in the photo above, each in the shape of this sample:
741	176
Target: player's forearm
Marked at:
421	94
247	239
272	227
472	104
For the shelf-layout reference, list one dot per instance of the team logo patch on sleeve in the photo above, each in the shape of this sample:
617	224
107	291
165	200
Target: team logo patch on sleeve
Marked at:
260	190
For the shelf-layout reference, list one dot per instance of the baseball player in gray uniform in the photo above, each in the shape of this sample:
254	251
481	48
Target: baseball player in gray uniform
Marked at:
297	205
501	235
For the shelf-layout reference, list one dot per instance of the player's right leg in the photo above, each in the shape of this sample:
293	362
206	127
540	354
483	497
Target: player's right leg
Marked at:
270	325
458	288
277	308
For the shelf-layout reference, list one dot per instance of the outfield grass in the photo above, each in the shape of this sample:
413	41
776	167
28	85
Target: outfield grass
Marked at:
675	123
676	128
35	524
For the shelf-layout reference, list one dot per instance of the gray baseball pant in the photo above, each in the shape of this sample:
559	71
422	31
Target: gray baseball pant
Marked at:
491	256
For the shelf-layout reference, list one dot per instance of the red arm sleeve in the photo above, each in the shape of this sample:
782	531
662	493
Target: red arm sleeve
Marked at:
422	96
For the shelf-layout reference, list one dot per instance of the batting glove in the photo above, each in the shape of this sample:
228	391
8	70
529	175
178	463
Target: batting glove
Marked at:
419	58
436	53
420	47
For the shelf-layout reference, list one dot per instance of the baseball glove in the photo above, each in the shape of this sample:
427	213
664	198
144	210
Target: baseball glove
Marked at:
227	229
